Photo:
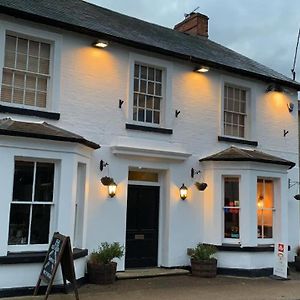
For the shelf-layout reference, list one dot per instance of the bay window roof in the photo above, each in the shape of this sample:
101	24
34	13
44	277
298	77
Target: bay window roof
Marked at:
44	130
238	154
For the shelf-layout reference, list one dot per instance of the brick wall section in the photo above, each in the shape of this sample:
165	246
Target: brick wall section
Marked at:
194	24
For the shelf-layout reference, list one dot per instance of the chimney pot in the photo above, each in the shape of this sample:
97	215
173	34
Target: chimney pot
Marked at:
194	24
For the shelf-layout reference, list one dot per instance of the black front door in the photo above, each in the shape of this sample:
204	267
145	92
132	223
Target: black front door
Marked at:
142	226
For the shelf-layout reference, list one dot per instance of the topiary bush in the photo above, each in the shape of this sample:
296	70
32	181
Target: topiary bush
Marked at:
106	253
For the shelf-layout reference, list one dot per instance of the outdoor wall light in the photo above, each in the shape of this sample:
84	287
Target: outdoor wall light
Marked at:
112	188
183	192
100	44
202	69
274	88
290	106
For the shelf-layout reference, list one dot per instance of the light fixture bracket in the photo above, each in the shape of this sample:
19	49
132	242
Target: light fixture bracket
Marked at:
102	165
194	172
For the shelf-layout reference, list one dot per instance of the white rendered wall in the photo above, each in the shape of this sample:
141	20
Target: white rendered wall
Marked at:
93	81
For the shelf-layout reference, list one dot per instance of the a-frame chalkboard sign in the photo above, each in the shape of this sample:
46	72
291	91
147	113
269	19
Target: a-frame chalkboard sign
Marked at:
59	252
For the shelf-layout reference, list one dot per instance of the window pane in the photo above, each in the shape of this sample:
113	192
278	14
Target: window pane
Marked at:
136	85
149	116
42	84
151	74
136	70
158	89
7	77
269	194
29	97
41	99
19	80
22	46
18	224
21	61
156	117
10	43
149	102
33	64
44	66
6	94
231	194
158	75
44	182
9	59
141	115
23	181
143	72
231	223
143	86
151	88
135	114
45	50
157	103
40	224
259	223
33	48
141	101
18	96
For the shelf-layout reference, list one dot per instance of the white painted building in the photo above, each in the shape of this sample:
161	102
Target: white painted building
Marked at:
156	119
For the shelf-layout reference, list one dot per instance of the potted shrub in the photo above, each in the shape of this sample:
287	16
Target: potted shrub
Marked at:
203	263
101	268
297	259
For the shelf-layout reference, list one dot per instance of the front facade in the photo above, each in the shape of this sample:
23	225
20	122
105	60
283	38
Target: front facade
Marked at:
155	120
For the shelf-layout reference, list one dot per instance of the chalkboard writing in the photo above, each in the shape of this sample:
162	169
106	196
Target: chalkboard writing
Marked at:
59	252
52	259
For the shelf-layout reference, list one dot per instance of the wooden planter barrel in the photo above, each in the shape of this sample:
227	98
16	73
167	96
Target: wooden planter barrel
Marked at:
102	274
204	268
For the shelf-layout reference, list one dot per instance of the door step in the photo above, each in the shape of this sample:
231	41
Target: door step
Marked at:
150	272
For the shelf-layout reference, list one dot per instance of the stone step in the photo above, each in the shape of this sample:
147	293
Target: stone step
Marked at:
150	272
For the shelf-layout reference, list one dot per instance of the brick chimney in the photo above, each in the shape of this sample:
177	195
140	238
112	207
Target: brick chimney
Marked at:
194	24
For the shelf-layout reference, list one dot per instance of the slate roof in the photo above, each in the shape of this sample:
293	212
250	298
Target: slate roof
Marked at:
42	131
80	16
238	154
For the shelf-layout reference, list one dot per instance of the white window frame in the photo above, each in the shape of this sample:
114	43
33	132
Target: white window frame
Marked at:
22	29
53	205
230	240
250	88
166	104
262	241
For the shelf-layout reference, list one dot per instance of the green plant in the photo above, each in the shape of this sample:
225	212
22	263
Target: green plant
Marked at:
106	253
203	252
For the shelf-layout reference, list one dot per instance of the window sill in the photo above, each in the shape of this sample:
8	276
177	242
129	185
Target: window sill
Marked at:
238	248
237	141
149	128
34	257
29	112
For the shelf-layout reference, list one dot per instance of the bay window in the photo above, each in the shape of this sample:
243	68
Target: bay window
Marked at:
30	212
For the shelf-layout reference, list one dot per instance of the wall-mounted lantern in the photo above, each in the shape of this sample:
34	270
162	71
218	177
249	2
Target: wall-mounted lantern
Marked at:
202	69
100	44
108	181
112	188
183	192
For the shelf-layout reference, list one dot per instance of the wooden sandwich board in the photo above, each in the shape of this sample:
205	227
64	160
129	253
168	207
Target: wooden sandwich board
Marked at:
59	252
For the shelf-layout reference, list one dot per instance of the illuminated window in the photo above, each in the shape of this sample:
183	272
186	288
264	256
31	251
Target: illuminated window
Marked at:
234	111
148	94
32	202
265	208
26	72
231	208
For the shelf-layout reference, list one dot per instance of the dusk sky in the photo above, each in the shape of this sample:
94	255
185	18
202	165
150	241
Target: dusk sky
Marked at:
264	30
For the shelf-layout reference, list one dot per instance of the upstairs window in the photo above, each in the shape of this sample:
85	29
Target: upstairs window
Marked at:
147	94
235	111
30	212
26	72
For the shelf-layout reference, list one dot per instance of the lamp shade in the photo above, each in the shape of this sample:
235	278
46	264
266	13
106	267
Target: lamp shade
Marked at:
183	192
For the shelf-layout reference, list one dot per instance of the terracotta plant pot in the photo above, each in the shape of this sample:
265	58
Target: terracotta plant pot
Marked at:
102	274
204	268
297	263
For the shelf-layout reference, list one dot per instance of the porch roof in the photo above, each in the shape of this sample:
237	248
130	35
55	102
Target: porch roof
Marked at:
238	154
44	130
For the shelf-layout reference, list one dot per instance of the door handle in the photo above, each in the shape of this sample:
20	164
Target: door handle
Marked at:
139	236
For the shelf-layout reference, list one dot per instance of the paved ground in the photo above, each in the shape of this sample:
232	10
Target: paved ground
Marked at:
188	288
